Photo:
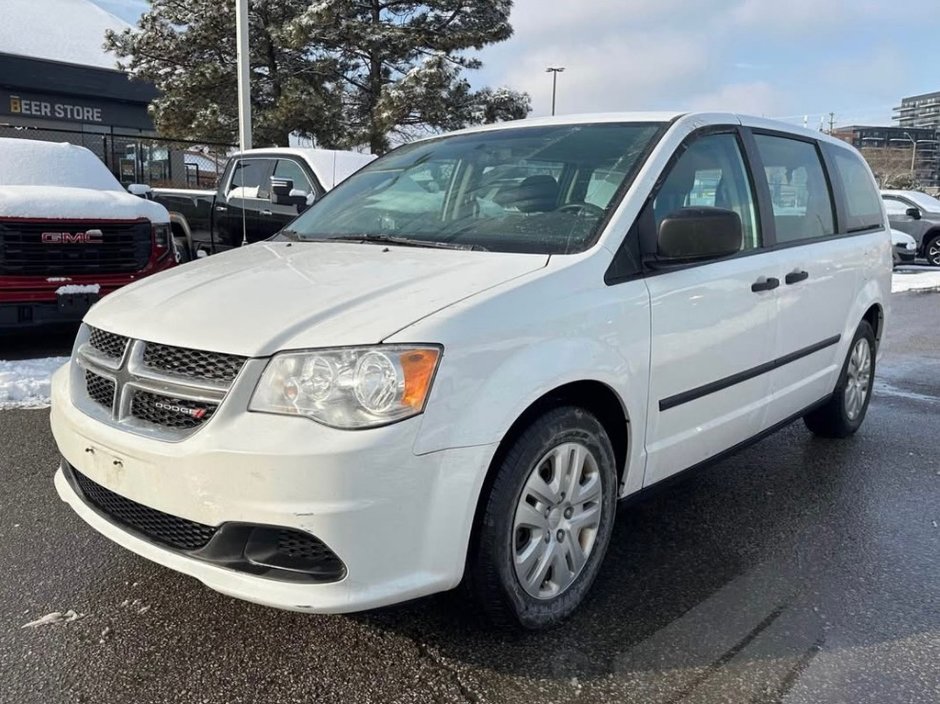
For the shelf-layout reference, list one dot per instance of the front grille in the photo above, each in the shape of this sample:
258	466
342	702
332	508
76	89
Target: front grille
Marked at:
100	390
107	343
160	527
170	412
124	248
192	364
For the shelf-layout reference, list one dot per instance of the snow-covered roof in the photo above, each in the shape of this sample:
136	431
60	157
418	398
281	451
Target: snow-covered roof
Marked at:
71	31
330	166
59	180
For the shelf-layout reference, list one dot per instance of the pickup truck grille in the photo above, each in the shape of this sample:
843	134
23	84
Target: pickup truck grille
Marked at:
52	248
152	389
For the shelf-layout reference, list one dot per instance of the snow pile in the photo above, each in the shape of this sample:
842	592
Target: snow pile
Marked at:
25	383
59	30
54	617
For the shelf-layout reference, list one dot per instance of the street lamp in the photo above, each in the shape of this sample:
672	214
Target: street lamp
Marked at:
244	77
554	70
914	143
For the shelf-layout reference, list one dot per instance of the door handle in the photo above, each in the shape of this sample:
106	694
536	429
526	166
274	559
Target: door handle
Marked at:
794	277
220	208
266	212
765	284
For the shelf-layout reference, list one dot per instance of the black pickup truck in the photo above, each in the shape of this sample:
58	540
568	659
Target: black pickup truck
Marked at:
260	191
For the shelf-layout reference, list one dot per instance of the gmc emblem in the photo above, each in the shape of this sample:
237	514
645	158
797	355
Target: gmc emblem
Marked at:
197	413
87	237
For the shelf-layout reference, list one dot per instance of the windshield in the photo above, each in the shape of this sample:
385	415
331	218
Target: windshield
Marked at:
528	189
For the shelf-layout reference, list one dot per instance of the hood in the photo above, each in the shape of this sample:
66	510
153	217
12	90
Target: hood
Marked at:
66	203
267	297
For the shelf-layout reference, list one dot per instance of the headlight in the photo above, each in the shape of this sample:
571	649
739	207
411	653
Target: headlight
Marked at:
352	387
161	235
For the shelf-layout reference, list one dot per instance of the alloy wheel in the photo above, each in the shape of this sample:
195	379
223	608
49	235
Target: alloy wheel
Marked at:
556	520
858	379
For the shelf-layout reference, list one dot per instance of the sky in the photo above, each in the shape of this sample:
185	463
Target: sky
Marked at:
785	59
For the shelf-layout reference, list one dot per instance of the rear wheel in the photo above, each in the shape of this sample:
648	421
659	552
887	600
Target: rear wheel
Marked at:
843	414
932	251
546	522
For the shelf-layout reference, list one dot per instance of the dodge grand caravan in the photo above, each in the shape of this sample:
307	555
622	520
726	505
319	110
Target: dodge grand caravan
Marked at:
449	369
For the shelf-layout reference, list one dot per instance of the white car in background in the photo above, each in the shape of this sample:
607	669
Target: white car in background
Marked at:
905	247
400	394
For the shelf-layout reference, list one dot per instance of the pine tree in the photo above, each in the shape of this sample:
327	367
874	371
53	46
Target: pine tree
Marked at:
401	64
344	72
187	48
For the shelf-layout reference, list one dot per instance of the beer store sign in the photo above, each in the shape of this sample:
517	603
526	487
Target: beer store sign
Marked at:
70	111
66	109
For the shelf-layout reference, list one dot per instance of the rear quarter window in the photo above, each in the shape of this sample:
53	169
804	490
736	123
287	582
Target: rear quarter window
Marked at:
862	200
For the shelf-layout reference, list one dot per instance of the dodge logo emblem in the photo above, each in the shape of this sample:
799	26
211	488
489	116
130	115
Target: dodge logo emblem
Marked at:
197	413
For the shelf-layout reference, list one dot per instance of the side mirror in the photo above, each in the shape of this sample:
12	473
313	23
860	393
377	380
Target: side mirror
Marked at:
140	189
281	187
913	213
699	233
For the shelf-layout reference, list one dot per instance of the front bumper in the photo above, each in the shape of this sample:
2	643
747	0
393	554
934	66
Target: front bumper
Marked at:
399	522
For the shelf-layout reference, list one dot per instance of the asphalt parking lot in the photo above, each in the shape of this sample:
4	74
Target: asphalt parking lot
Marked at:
801	570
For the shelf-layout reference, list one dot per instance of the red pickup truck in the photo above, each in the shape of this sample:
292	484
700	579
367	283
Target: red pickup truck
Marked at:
69	233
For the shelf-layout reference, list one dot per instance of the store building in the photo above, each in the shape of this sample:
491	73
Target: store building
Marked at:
58	84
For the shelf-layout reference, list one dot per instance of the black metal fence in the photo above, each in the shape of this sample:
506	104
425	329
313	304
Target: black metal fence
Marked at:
137	159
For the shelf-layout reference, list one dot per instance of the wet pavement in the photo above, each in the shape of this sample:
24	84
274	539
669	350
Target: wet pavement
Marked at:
800	570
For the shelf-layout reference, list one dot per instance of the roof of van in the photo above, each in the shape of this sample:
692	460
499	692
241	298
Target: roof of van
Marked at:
657	116
330	165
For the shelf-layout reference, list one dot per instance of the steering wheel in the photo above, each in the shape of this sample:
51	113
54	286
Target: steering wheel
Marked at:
582	208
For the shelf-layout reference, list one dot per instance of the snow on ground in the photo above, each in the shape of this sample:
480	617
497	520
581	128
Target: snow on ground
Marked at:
25	383
915	278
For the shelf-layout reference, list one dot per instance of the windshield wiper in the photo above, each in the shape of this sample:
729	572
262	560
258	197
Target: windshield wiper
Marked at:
405	242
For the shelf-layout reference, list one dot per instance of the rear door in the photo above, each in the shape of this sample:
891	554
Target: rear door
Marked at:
712	323
818	260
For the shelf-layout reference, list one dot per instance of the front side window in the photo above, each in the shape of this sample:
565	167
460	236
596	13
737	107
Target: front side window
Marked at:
798	188
527	189
249	178
895	206
863	205
288	168
710	173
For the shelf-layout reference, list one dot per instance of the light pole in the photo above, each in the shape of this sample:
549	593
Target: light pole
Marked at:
554	70
244	79
914	143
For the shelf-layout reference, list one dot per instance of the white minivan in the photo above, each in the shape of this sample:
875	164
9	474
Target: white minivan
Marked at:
450	368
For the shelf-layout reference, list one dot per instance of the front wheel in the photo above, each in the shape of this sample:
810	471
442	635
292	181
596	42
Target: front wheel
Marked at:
843	414
932	251
546	522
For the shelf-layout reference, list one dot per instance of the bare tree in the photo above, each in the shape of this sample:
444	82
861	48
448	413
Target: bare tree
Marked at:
891	165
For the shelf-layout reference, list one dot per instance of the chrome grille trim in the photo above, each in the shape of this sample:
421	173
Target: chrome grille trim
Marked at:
107	344
133	380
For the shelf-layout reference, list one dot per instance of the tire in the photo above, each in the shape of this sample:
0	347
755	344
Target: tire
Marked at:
513	524
932	251
183	252
845	411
